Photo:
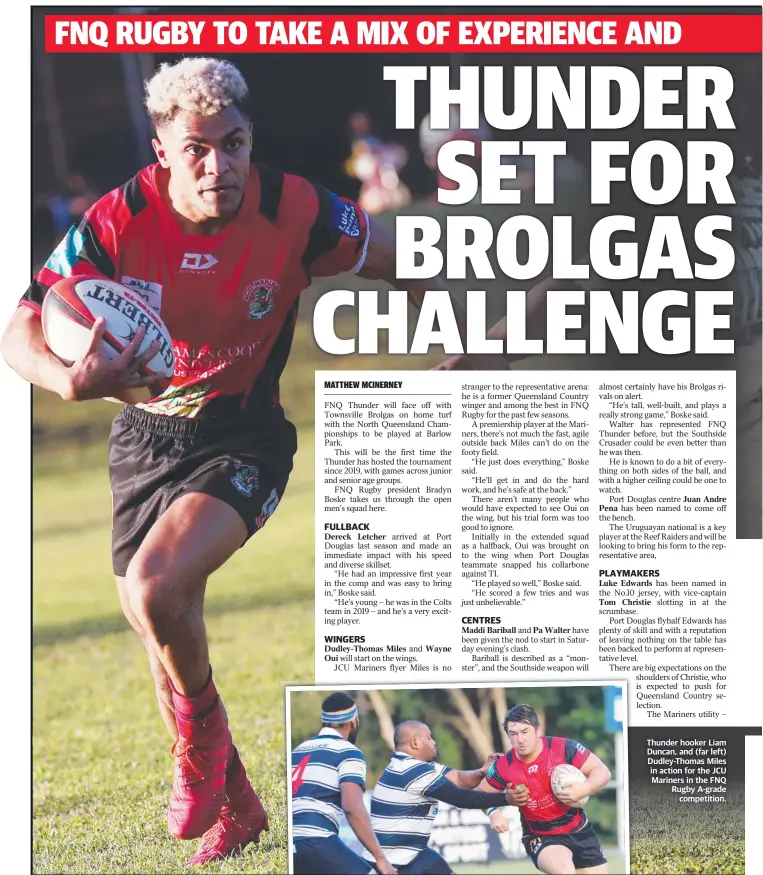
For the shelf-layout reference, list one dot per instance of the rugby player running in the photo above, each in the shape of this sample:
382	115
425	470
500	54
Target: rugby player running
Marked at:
221	250
557	835
404	801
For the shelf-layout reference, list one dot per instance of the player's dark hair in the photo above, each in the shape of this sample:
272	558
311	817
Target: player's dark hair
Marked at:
335	703
521	714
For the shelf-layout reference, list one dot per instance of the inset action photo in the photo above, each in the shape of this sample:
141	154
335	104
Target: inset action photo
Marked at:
429	780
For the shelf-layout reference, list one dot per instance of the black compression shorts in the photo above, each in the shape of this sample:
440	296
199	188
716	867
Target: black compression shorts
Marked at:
153	460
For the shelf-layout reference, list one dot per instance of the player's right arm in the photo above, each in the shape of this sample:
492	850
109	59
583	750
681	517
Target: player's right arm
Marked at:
24	349
91	249
93	376
358	818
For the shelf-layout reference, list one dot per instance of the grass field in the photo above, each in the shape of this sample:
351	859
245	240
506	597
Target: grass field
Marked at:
524	867
102	768
686	839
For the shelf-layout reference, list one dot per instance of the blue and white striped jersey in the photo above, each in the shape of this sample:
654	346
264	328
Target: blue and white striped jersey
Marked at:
402	814
318	768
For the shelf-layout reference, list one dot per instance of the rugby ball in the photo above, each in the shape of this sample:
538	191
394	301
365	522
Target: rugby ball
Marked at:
564	775
72	305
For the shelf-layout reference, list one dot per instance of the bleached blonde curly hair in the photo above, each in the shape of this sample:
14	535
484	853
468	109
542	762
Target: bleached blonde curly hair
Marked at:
204	86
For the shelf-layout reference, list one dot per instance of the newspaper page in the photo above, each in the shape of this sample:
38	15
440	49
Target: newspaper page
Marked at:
403	366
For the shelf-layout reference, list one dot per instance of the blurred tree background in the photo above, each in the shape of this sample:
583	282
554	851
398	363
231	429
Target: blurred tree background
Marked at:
467	726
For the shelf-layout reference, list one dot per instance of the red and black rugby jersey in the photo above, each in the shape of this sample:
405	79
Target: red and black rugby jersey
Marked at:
544	814
230	300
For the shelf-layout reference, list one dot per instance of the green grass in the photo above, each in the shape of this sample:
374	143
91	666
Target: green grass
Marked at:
524	867
102	767
685	839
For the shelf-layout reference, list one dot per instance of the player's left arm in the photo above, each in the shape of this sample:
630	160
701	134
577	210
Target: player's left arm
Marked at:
597	776
470	780
380	263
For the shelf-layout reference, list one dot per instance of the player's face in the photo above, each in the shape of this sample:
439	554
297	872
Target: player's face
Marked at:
524	738
208	160
428	745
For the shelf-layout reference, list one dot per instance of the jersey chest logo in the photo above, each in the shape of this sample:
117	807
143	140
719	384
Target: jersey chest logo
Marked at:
260	295
198	261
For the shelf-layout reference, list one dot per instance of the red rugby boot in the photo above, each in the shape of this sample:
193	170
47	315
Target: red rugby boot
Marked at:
201	754
241	821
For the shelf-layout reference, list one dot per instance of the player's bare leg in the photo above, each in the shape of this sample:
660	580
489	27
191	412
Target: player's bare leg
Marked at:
556	860
162	596
161	681
594	870
167	578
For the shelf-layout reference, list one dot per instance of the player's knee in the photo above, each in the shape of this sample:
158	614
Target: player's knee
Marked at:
153	597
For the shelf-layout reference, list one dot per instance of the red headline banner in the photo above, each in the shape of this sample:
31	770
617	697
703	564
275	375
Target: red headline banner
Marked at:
403	33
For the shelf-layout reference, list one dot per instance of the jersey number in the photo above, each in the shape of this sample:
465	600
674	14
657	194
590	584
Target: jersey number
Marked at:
296	774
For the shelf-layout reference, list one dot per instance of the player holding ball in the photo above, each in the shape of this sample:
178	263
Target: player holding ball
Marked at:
220	250
556	833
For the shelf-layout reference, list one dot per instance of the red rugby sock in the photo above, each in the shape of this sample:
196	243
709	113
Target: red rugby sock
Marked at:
194	708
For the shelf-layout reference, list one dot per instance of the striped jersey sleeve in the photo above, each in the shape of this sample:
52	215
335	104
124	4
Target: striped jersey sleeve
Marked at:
497	773
429	779
92	247
337	235
575	753
352	767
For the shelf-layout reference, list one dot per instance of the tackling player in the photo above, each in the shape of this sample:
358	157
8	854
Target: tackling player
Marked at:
221	250
557	835
328	777
404	801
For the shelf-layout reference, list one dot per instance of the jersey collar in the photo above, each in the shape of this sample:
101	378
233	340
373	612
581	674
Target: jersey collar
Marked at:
327	730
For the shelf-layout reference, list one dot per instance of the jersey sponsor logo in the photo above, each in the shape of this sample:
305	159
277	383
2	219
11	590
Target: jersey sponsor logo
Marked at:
297	774
268	509
66	254
200	362
579	747
260	296
344	218
246	479
151	293
198	261
532	769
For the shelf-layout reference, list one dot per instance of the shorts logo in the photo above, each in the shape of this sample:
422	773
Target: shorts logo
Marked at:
268	509
198	261
535	845
246	479
344	218
260	297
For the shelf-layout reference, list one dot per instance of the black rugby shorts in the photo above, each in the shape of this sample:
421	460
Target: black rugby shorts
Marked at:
153	460
584	844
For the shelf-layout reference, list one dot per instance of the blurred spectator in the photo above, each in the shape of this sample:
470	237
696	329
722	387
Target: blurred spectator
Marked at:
431	141
377	165
67	207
